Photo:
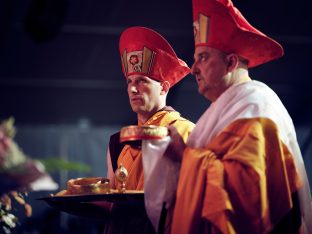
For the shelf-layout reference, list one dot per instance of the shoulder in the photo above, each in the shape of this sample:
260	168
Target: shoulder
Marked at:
183	125
246	134
251	126
175	118
252	99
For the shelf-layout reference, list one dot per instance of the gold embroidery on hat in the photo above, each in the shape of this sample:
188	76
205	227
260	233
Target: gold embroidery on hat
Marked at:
135	61
138	61
196	31
148	58
201	29
124	61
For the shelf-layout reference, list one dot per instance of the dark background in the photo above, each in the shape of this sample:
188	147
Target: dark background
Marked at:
61	79
59	61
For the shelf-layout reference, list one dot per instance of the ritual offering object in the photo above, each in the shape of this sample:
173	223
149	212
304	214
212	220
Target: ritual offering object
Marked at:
134	134
88	185
121	176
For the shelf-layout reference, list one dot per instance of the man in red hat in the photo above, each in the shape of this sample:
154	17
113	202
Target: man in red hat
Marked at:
242	170
151	68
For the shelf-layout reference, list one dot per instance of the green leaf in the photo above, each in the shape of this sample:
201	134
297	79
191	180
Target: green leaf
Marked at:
58	164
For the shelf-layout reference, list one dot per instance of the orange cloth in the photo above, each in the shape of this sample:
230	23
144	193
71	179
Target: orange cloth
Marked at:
241	182
131	158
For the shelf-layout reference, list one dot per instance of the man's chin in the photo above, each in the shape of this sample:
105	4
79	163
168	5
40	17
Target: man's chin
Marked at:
200	90
136	109
204	92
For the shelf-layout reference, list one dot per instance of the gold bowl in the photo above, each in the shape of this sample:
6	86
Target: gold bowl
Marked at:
137	133
89	185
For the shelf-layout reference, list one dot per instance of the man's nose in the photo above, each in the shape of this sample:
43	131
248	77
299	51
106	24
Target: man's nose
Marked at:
194	69
133	89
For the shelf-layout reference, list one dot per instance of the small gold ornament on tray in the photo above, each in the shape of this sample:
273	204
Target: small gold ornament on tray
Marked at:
121	176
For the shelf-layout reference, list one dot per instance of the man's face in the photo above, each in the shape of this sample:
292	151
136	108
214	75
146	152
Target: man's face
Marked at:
144	94
210	69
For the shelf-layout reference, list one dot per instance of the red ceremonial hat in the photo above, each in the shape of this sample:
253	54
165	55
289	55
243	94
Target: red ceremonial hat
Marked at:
218	24
145	52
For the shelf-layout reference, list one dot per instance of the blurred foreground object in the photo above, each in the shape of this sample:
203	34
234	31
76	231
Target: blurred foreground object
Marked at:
17	170
18	173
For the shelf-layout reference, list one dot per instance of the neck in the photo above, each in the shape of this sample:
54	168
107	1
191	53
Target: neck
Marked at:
240	75
237	76
144	117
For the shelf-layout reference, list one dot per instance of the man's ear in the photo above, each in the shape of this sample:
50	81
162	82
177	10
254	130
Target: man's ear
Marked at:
165	86
232	62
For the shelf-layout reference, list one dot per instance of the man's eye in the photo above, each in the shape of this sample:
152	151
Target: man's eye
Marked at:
202	57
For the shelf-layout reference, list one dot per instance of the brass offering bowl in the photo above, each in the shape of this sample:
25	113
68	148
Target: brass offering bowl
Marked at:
134	134
89	185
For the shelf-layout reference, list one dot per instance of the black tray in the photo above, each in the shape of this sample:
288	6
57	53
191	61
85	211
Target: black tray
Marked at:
84	205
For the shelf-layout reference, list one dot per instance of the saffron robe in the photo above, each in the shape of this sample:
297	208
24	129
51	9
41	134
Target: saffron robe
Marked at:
133	218
242	170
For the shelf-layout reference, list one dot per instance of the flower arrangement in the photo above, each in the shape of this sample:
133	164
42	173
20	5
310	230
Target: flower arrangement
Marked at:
18	173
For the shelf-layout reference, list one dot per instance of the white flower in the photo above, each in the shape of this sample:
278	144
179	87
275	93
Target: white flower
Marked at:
9	220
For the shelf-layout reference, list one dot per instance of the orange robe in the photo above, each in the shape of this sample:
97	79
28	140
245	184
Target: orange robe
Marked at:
243	181
131	158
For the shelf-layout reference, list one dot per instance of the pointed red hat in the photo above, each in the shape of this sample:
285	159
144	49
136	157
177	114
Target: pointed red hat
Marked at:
218	24
145	52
